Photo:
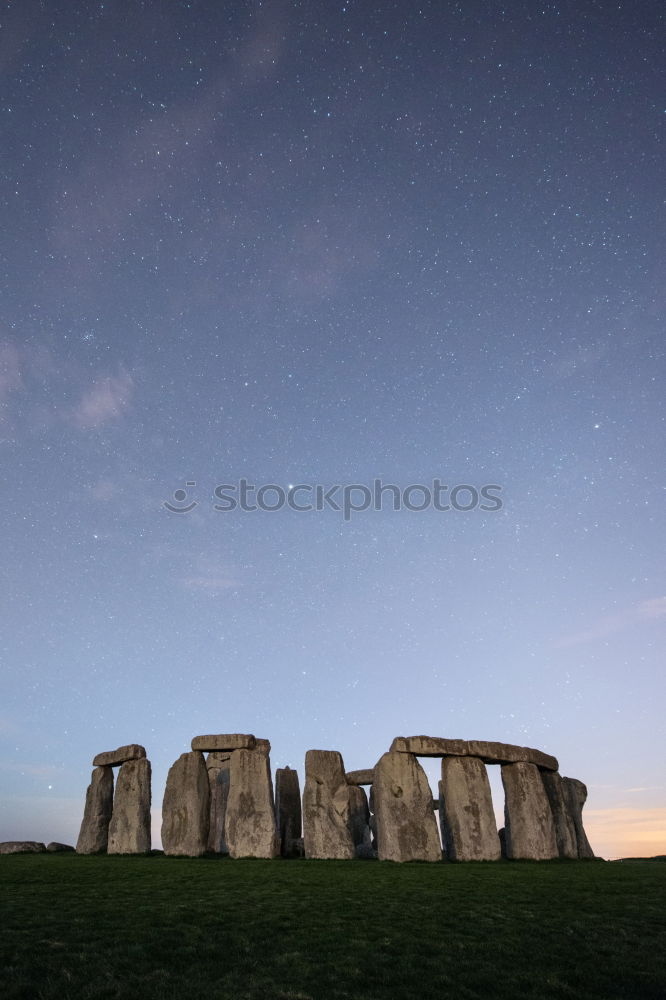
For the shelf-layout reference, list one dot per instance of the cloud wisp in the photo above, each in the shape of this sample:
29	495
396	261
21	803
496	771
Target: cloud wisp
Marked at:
647	611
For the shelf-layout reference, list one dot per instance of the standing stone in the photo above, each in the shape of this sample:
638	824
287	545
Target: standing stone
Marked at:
466	815
502	839
186	807
326	807
565	829
402	799
94	833
249	826
217	765
129	830
359	822
529	826
575	793
288	810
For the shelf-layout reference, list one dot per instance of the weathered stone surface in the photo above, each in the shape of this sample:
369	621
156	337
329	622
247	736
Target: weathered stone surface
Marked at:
529	826
129	829
217	765
467	818
111	758
249	826
365	777
22	847
565	829
94	832
55	848
224	741
186	807
288	810
575	793
489	753
326	807
359	822
405	822
262	746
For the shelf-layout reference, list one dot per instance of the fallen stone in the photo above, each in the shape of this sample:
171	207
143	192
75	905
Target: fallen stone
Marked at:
288	810
186	807
365	777
467	818
359	822
111	758
55	848
575	793
217	765
94	832
326	807
565	829
129	829
402	799
224	741
22	847
528	818
249	826
489	753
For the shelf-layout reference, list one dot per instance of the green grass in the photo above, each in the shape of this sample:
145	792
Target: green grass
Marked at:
157	927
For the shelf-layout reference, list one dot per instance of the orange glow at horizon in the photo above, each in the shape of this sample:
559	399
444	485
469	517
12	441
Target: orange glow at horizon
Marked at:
626	833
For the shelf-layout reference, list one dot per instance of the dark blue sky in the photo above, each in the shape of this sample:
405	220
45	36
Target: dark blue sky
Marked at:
323	244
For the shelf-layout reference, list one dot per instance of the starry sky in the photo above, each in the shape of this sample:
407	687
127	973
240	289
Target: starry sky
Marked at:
326	243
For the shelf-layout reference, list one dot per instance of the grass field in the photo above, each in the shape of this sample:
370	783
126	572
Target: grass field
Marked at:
157	927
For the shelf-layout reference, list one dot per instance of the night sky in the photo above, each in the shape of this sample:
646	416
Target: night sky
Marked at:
328	243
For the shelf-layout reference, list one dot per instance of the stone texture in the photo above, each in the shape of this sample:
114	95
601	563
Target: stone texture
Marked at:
217	765
186	807
249	826
365	777
288	810
529	825
326	807
224	741
489	753
22	847
94	832
359	822
111	758
55	848
262	746
402	800
565	829
575	793
129	829
467	818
